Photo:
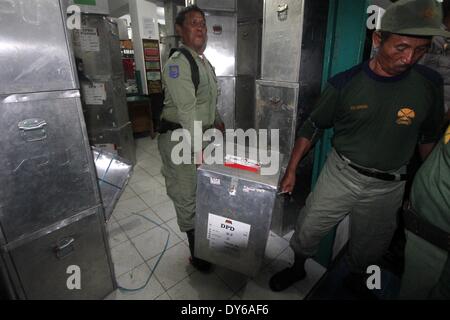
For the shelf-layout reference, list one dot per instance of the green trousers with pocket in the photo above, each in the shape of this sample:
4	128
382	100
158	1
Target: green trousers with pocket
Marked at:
181	183
371	203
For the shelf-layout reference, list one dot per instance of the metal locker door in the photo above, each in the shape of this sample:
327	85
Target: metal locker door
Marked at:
104	104
97	45
35	54
282	40
46	162
42	264
221	47
276	108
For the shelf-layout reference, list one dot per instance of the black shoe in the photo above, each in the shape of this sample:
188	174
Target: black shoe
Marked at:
200	265
197	263
284	279
356	284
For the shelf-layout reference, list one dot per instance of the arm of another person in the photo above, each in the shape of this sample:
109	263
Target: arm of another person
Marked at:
321	117
431	129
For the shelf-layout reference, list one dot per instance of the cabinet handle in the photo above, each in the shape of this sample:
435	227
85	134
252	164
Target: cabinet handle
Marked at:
275	100
64	247
33	129
282	8
282	12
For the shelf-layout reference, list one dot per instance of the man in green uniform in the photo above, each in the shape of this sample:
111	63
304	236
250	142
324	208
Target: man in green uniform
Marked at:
186	102
427	253
379	110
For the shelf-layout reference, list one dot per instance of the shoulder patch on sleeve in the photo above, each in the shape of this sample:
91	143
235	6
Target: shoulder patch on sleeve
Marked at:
341	79
429	74
174	71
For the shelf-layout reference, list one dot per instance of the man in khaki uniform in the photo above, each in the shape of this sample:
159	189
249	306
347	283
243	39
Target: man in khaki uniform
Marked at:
427	253
184	104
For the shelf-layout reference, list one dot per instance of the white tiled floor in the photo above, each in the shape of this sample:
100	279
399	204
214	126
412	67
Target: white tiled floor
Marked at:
137	244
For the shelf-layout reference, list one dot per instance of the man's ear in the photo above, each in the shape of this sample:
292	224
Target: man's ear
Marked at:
178	29
376	39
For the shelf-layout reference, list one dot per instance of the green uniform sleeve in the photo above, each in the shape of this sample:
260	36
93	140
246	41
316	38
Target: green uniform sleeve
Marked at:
178	81
322	116
431	128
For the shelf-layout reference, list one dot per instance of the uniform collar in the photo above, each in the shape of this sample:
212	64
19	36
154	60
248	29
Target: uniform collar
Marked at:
369	72
192	51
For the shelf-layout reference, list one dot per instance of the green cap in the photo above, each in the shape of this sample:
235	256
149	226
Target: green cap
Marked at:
414	17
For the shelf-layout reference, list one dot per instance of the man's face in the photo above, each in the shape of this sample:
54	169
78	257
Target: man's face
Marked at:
193	31
398	53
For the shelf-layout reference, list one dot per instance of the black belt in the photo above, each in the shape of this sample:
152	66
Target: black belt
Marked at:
165	126
426	230
375	174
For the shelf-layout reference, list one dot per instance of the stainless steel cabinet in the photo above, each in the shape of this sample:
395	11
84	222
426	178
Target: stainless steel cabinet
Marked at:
276	109
282	40
105	104
97	46
221	48
42	263
45	161
35	54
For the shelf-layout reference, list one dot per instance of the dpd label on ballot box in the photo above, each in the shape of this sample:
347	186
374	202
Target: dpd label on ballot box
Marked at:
227	235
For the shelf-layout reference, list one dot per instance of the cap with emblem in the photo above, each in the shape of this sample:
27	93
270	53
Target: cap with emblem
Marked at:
414	17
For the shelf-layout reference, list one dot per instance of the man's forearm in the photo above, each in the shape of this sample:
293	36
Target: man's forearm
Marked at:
302	146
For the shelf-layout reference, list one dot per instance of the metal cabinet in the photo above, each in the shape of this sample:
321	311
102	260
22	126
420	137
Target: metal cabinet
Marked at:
35	54
282	39
43	263
51	217
276	109
105	104
221	48
293	39
45	161
97	48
